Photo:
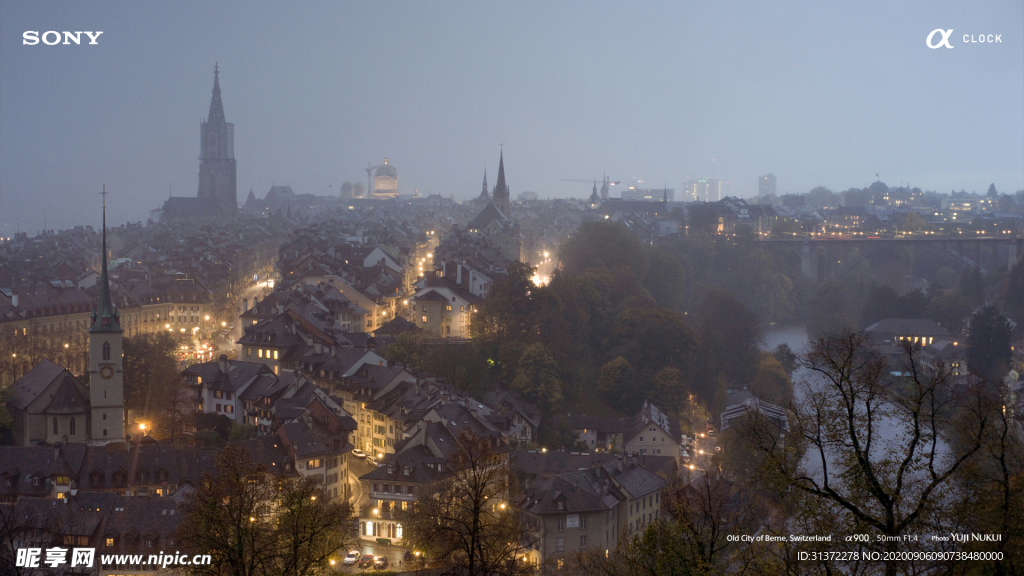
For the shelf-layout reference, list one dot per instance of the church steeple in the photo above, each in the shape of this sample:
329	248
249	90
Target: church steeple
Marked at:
501	199
216	105
594	198
104	317
484	195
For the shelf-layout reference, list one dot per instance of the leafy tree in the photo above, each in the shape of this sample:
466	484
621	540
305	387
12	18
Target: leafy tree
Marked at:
914	223
988	344
992	193
616	385
607	245
832	312
1013	301
821	196
153	389
652	338
771	383
669	390
786	357
461	364
768	293
506	321
537	378
404	350
703	220
729	334
949	311
465	521
253	524
972	286
557	434
784	227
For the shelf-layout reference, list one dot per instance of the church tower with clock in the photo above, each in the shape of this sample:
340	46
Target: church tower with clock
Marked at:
106	376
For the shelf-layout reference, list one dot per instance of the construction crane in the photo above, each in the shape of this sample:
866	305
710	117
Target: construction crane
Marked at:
605	183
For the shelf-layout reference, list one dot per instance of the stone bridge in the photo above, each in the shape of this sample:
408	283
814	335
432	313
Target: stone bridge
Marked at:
985	251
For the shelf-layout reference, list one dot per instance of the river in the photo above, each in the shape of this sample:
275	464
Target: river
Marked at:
891	432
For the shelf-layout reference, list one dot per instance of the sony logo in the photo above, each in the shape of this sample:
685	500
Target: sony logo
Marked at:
52	37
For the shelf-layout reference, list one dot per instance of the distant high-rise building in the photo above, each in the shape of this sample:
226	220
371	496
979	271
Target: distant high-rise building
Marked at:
702	190
766	185
649	194
714	193
217	168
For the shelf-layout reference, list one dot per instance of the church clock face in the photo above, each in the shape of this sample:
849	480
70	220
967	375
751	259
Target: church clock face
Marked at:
107	372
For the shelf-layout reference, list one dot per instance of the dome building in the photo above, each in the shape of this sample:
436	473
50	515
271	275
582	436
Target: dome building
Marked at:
385	181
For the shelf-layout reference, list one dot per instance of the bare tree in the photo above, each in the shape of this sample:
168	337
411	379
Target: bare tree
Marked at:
870	443
465	522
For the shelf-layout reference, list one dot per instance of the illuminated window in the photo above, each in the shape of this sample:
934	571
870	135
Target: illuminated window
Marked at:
275	354
260	352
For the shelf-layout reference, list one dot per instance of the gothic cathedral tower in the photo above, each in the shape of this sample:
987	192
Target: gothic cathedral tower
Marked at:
106	376
500	195
217	155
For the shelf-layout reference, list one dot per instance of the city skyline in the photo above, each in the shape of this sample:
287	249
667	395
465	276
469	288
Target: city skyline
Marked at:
814	96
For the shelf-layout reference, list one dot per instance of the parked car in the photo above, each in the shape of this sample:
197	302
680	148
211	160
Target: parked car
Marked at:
358	453
380	563
367	561
351	558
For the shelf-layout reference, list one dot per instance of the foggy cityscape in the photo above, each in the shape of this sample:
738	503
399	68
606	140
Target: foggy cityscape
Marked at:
478	288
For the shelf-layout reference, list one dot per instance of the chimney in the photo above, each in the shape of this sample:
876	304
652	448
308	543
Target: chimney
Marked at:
14	299
458	274
222	362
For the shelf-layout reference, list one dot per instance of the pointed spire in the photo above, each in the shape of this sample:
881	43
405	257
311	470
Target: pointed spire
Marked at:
105	317
216	114
484	195
501	199
594	198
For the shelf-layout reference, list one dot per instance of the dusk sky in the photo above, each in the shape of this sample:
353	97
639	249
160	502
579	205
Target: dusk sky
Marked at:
817	93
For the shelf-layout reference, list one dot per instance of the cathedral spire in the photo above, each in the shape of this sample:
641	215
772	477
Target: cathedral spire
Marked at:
105	317
501	199
484	195
216	105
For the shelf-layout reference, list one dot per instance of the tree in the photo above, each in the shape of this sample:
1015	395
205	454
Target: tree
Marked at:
556	433
253	524
609	245
914	223
822	197
771	382
972	286
537	378
988	344
1013	302
692	535
616	384
465	521
949	311
839	456
831	311
154	391
992	193
404	350
786	357
729	334
669	390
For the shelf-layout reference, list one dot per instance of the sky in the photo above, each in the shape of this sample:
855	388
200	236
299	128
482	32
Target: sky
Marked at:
651	93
